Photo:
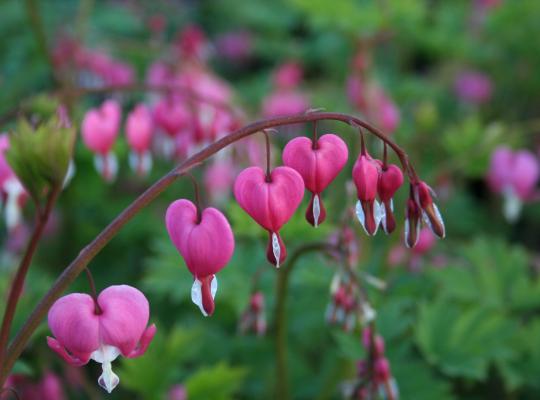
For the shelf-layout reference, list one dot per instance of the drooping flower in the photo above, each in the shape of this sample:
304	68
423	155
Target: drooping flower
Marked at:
100	128
206	242
139	131
343	307
413	215
271	201
117	325
366	176
171	115
288	75
514	175
390	180
430	212
49	387
318	163
254	319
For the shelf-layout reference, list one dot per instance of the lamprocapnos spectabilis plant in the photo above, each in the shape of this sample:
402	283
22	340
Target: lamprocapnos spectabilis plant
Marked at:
193	110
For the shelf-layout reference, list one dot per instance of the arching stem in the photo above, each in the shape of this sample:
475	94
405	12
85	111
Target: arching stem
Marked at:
93	293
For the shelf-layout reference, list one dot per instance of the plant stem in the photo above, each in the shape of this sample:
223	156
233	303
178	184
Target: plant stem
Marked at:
280	316
20	276
92	249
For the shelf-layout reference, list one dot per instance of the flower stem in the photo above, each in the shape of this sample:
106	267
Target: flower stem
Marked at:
280	316
93	293
17	285
73	270
268	156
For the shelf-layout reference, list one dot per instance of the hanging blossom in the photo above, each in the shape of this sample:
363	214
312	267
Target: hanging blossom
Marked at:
270	199
206	242
254	317
13	194
514	175
114	324
343	308
318	161
139	131
100	127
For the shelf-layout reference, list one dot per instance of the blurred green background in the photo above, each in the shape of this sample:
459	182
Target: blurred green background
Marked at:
459	320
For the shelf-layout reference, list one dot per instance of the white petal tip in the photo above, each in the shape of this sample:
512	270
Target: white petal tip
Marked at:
196	293
276	248
108	379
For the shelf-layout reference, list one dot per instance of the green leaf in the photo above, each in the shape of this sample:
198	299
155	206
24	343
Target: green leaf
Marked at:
219	382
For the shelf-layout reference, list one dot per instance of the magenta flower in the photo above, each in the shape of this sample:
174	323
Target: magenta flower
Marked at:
235	46
366	176
171	115
270	201
139	131
473	87
318	163
514	175
100	128
117	325
177	392
206	242
390	180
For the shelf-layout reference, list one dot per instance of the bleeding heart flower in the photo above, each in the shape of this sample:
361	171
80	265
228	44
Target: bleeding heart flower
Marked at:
318	163
366	176
100	128
390	180
171	115
206	242
284	102
139	130
430	211
118	327
270	201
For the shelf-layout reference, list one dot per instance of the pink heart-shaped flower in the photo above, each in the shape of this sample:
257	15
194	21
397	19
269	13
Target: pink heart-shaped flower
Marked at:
100	127
206	243
270	201
318	163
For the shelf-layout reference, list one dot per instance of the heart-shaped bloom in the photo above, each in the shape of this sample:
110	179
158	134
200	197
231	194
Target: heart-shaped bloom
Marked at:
100	128
83	331
318	163
171	115
139	131
366	177
390	180
430	211
270	201
514	175
206	243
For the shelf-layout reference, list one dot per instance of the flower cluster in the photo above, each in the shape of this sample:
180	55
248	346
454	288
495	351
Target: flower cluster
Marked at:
373	373
49	387
254	318
343	308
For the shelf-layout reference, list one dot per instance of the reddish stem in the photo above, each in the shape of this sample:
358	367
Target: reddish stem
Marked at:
93	293
268	156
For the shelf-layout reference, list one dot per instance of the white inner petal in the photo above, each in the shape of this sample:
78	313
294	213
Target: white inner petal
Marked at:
12	211
378	213
196	293
368	313
140	163
69	173
316	210
360	215
276	248
105	355
107	166
512	205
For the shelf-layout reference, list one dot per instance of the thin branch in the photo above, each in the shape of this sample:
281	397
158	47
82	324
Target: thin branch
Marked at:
91	250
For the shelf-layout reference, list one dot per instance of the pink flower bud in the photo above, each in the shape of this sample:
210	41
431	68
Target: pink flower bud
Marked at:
318	163
366	176
412	223
432	216
81	333
270	201
382	370
206	243
379	342
50	387
390	180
